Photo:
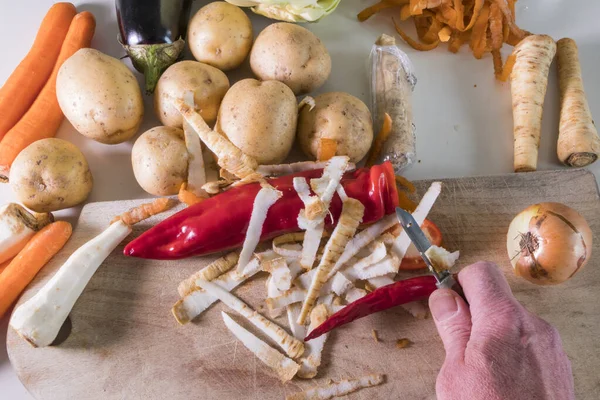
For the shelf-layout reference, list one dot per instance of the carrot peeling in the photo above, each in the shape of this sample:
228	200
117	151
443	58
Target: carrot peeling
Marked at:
24	267
144	211
327	149
187	197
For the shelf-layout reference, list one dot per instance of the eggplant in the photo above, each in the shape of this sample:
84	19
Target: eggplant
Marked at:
152	32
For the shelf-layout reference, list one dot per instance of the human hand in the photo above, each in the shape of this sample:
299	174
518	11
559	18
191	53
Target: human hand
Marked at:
497	349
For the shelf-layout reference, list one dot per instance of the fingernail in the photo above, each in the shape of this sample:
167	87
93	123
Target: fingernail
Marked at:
443	305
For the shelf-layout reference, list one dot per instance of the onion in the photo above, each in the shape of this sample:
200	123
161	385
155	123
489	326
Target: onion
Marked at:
548	243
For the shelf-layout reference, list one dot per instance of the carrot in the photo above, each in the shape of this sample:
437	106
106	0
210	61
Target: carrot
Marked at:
144	211
327	149
24	84
4	265
528	83
23	268
44	117
578	141
187	197
384	133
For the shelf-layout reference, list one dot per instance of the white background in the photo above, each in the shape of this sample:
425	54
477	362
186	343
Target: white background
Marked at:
463	116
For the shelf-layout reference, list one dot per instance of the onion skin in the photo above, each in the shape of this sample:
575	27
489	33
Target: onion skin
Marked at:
548	243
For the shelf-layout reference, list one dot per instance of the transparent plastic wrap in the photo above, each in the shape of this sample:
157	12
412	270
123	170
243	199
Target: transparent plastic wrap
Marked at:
392	83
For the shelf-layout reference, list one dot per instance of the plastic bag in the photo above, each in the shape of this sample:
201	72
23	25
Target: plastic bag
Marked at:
392	83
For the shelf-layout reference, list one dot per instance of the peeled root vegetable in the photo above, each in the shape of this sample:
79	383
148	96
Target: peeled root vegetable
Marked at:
528	83
548	243
578	141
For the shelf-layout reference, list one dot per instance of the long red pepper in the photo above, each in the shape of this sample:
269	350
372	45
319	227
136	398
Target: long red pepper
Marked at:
220	223
385	297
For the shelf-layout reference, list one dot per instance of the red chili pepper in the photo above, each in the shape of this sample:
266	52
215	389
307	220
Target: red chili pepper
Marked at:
220	223
385	297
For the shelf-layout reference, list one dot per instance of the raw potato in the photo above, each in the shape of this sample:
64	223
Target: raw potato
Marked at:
220	34
339	116
208	84
51	174
260	119
160	160
290	54
100	97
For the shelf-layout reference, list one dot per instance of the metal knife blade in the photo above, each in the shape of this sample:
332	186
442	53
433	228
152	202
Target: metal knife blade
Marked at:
417	236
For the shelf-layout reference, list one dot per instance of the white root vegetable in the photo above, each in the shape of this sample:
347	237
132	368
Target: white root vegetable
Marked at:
293	311
402	242
354	294
229	156
287	169
578	141
341	388
528	83
285	368
292	346
350	218
211	272
197	301
280	273
340	284
17	226
312	358
196	172
266	197
39	319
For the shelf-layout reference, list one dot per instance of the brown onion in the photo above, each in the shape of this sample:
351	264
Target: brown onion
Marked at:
548	243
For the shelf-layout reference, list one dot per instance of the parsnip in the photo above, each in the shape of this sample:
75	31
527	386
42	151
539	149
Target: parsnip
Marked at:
528	83
578	141
17	226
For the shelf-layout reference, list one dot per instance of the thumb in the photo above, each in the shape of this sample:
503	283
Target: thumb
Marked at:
453	321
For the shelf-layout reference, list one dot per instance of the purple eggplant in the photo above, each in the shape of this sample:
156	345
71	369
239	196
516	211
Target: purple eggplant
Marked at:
153	33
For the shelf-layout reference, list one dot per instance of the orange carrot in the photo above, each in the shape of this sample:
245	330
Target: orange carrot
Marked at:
187	197
379	141
4	265
24	84
23	268
44	117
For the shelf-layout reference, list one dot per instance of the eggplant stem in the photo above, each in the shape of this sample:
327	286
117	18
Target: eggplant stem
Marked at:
153	59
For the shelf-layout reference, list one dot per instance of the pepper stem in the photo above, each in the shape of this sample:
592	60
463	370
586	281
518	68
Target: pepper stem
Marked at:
153	59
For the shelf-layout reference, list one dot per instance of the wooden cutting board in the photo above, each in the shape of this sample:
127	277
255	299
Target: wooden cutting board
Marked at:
125	344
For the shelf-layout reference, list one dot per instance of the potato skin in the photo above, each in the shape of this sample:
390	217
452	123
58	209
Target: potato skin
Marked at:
339	116
220	34
208	83
260	119
290	54
100	96
160	160
51	174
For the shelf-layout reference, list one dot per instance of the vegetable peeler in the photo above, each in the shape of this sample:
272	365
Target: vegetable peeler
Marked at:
445	280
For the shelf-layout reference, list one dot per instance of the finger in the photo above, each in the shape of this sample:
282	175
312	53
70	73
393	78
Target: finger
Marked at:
484	285
453	321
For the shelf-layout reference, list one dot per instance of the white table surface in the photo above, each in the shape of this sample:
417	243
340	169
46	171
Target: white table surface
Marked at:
463	116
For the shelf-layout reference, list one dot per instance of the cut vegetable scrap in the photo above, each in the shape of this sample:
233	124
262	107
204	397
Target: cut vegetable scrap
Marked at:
266	197
17	226
229	156
307	101
293	311
341	388
196	171
312	359
403	343
283	366
441	258
354	294
197	301
280	273
402	242
189	198
340	284
375	335
288	169
378	253
388	265
286	245
327	148
144	211
209	273
350	218
332	175
292	346
39	319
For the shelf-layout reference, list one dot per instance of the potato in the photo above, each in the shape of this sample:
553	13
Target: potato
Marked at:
338	116
100	96
260	119
160	160
290	54
220	34
51	174
208	84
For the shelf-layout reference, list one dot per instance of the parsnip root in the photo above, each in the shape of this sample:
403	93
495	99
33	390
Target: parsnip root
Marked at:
529	80
578	141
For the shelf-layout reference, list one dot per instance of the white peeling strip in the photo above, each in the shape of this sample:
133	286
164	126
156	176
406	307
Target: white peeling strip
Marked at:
333	172
209	273
280	273
386	266
311	361
293	311
266	197
402	242
338	389
284	367
354	294
287	169
379	253
292	346
340	284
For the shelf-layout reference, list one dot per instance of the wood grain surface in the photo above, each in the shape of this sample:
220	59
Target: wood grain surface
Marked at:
125	344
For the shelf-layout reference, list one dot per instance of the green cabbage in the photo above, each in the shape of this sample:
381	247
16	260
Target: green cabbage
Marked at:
290	10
